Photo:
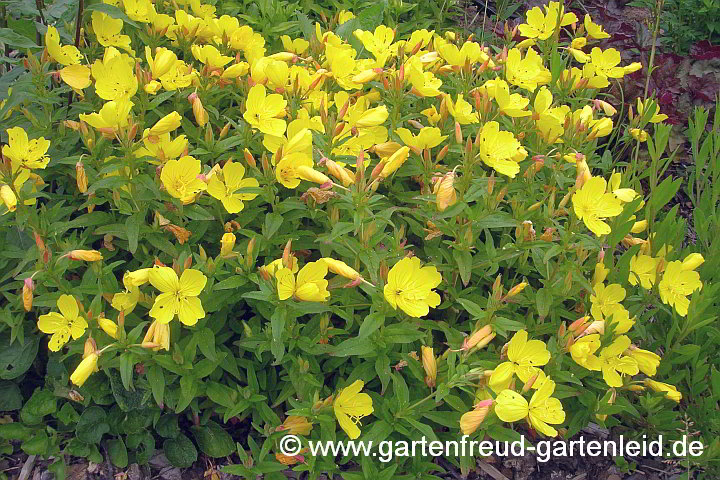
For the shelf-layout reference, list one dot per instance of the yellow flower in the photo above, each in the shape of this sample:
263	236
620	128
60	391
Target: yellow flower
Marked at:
126	301
444	191
166	124
159	334
228	189
341	268
676	284
85	255
428	137
210	56
162	63
643	270
647	361
605	63
65	55
470	421
107	30
378	42
84	369
263	111
524	358
528	72
542	26
113	115
461	110
297	46
8	198
395	161
639	134
162	147
605	299
410	287
613	364
656	116
179	295
26	153
76	76
511	105
542	410
671	392
180	178
591	204
429	365
500	150
310	285
108	326
68	323
350	406
295	425
344	16
115	75
227	243
594	30
583	351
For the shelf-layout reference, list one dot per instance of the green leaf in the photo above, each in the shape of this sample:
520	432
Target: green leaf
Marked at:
92	425
543	300
132	224
41	403
180	451
188	388
16	358
463	259
272	224
156	378
371	323
15	431
118	452
10	397
9	37
167	426
206	342
37	445
213	440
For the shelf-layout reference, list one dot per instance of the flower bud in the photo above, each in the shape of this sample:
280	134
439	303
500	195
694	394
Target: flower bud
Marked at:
474	339
85	369
108	326
85	255
227	243
444	190
80	177
471	420
341	268
430	365
27	293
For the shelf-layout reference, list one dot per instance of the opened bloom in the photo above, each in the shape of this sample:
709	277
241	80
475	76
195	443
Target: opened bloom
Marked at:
410	287
310	285
24	152
179	295
524	358
592	204
264	111
542	410
500	150
677	283
613	364
68	323
350	406
180	178
228	189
